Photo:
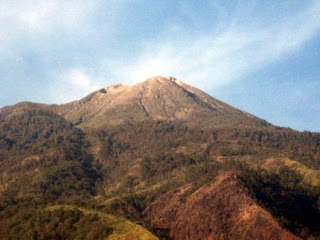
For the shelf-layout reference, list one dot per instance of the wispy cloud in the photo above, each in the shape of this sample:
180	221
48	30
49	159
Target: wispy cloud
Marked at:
211	60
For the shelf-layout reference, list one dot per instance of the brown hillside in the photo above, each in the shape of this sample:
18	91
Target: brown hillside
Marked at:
218	210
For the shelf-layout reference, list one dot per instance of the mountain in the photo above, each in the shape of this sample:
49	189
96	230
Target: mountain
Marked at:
156	160
157	98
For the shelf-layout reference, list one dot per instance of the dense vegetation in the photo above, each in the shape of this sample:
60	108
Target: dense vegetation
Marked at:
156	136
58	224
45	161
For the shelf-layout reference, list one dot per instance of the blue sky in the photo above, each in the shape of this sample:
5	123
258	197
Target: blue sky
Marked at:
260	56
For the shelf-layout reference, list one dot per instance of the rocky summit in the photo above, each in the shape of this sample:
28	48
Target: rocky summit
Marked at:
157	98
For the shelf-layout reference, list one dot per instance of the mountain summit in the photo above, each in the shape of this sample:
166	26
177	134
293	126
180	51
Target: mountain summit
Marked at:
157	98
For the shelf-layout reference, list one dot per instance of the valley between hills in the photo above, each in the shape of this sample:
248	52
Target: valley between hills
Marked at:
156	160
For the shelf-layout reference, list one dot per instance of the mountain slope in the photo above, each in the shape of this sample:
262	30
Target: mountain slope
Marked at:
157	98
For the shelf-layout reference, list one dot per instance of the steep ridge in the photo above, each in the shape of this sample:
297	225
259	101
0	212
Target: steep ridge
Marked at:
218	210
157	98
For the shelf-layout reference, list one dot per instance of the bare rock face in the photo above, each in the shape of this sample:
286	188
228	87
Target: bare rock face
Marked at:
218	210
157	98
